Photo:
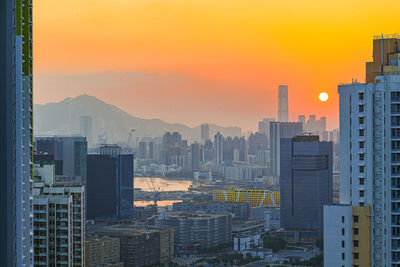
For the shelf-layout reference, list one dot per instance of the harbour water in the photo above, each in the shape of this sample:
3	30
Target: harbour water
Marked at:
162	185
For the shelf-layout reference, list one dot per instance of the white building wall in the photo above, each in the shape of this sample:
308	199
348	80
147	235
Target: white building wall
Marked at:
338	236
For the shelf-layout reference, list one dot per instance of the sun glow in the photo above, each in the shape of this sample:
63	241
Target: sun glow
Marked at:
323	96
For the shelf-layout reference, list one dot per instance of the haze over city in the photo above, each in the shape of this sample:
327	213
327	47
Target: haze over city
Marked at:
215	61
218	133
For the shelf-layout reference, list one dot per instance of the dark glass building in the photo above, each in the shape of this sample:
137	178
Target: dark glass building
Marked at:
306	182
110	187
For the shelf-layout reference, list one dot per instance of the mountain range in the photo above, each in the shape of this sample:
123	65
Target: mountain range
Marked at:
63	118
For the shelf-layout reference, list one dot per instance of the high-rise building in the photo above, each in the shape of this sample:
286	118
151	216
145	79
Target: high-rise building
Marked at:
385	57
173	148
58	220
218	146
263	126
280	130
369	166
302	119
86	129
306	182
68	152
196	156
110	186
16	144
205	132
283	104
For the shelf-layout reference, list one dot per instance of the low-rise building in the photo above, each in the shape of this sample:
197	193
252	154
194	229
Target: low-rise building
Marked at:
195	231
246	242
247	228
239	210
141	245
102	251
270	215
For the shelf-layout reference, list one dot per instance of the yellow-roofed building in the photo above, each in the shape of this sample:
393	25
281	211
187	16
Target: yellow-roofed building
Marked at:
255	197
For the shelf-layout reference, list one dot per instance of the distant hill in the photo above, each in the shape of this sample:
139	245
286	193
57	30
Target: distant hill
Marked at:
63	118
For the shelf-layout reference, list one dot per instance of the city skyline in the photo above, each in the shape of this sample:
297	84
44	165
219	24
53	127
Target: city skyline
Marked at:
214	66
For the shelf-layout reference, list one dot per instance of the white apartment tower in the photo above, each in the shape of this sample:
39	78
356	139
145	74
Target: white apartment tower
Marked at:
369	167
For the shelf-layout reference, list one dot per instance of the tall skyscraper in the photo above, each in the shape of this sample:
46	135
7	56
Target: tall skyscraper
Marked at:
218	146
283	104
86	129
110	186
280	130
196	156
205	132
16	169
369	167
306	182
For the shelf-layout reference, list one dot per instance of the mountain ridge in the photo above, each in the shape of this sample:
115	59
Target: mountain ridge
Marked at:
63	118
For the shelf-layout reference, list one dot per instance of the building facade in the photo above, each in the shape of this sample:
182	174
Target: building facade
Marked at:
141	246
306	182
280	130
370	154
68	152
16	133
102	251
110	187
86	128
254	197
58	220
193	231
219	149
205	132
283	103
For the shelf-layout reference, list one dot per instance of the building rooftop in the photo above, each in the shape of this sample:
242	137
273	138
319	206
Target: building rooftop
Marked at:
195	216
127	230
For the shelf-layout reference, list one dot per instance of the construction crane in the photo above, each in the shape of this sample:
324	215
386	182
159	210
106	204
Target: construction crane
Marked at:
155	190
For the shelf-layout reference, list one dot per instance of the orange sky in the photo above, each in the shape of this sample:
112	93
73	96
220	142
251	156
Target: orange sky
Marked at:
195	61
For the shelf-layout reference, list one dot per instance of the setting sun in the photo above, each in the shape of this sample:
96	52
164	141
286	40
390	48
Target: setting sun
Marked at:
323	96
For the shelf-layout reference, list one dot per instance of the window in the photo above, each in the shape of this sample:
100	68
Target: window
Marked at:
361	157
342	243
355	219
361	204
355	231
342	231
355	243
361	145
361	108
361	96
361	120
362	193
356	256
361	132
343	258
395	96
362	181
342	219
361	169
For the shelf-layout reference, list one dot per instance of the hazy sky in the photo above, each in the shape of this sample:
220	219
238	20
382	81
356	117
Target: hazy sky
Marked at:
218	61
